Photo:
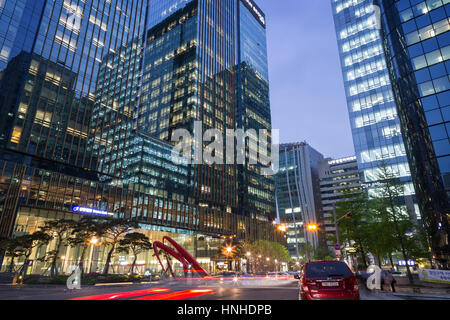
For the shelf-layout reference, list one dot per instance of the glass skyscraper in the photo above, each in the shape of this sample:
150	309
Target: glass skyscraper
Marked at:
189	76
253	109
71	39
298	195
207	61
373	112
417	42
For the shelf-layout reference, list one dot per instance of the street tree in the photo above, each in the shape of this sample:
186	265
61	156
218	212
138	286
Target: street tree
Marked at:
307	251
387	197
134	243
267	249
12	249
87	229
60	231
27	244
231	250
322	253
113	231
355	229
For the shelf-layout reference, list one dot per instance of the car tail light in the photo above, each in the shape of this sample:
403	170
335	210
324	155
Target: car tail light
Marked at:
305	287
355	285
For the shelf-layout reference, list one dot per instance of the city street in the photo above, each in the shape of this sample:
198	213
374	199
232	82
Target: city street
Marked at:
268	290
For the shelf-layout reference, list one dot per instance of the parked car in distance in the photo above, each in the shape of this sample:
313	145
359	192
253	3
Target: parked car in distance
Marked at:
227	276
328	280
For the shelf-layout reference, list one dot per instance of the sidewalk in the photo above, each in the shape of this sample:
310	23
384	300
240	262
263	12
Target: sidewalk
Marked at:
419	296
421	287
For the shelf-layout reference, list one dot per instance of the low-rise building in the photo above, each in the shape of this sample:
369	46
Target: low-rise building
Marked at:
337	178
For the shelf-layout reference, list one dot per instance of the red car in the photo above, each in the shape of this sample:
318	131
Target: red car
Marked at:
328	280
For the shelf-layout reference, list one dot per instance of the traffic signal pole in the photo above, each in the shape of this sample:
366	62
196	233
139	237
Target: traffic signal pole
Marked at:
336	225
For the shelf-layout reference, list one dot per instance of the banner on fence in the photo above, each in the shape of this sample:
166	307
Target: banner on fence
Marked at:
439	276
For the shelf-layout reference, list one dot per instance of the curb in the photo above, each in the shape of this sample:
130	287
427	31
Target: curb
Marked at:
426	296
113	284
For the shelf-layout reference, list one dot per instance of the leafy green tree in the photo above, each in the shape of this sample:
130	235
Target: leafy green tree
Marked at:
267	249
355	229
307	252
378	224
113	231
134	243
380	233
322	253
231	250
390	191
60	231
418	245
82	234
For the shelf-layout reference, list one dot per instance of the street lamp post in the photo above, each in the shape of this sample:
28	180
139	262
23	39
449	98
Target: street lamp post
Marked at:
311	228
229	250
94	242
336	224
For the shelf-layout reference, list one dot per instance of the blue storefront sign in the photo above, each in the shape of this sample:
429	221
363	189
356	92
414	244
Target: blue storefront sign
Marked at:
90	211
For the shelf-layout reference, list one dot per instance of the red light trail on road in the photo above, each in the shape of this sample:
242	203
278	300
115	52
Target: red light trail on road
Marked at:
122	295
181	295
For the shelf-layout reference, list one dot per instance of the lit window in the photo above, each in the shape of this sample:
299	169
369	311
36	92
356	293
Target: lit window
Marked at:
17	132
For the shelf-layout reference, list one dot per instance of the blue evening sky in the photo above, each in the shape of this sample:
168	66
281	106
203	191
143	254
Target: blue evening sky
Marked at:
307	93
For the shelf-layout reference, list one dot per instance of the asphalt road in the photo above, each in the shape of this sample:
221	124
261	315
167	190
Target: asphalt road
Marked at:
265	290
179	290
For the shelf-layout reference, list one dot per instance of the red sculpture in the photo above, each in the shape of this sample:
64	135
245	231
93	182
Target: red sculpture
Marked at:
180	254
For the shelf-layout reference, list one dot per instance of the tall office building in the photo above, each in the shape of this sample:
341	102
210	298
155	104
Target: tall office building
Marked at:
48	109
297	188
207	62
73	76
373	111
417	42
338	177
188	76
256	190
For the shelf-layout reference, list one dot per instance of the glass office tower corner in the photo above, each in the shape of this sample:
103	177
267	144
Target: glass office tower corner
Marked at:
372	108
207	61
51	56
256	191
417	41
298	195
189	76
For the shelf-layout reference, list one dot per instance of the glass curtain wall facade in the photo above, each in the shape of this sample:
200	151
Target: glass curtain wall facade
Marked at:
53	119
256	191
417	40
207	61
55	94
372	108
189	76
298	194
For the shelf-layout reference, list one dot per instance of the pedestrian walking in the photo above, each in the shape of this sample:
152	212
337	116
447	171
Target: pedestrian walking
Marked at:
388	278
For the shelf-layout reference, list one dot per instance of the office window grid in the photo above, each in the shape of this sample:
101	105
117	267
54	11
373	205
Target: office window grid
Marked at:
372	108
60	89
